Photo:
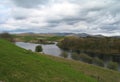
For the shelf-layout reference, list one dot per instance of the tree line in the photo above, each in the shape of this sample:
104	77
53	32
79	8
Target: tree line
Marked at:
104	45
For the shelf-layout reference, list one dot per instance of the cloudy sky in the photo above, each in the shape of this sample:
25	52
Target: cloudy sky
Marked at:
47	16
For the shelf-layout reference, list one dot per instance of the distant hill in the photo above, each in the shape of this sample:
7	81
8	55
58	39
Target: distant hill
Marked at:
66	34
62	34
84	35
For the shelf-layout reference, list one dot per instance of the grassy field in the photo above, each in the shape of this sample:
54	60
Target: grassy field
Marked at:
19	65
33	37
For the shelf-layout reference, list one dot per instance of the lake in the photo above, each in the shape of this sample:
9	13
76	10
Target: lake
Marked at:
53	49
50	49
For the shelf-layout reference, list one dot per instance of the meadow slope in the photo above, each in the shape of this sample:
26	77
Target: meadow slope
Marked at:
19	65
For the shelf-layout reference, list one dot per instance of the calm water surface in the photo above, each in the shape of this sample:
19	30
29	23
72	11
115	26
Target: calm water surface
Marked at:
50	49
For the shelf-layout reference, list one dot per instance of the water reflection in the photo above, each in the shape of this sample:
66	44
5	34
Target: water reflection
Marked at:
53	49
50	49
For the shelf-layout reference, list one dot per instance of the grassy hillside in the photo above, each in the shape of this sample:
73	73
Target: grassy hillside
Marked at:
35	37
19	65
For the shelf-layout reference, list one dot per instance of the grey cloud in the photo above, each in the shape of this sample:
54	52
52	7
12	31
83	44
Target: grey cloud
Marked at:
69	20
20	13
20	17
29	3
109	27
38	30
96	17
19	30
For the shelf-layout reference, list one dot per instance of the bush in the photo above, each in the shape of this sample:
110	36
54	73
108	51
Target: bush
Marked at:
7	36
86	58
113	65
98	62
38	48
64	54
75	56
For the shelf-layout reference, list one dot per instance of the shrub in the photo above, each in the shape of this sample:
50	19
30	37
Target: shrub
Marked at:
38	48
75	56
113	65
98	62
7	36
86	58
64	54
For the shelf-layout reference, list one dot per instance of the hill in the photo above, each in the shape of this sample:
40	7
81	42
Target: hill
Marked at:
19	65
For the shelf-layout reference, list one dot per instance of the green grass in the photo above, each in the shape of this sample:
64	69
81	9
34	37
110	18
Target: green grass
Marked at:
55	38
28	38
19	65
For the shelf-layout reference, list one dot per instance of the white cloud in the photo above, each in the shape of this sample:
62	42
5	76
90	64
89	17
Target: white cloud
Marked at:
96	16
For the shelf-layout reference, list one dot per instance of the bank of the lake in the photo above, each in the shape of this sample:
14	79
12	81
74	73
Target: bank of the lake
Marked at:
53	49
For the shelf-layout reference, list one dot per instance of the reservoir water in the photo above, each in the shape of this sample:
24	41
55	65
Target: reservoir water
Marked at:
50	49
53	49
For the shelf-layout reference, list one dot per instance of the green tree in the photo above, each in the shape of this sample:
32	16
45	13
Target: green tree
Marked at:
94	45
7	36
38	48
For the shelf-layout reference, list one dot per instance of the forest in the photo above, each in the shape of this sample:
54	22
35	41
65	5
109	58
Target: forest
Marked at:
95	45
